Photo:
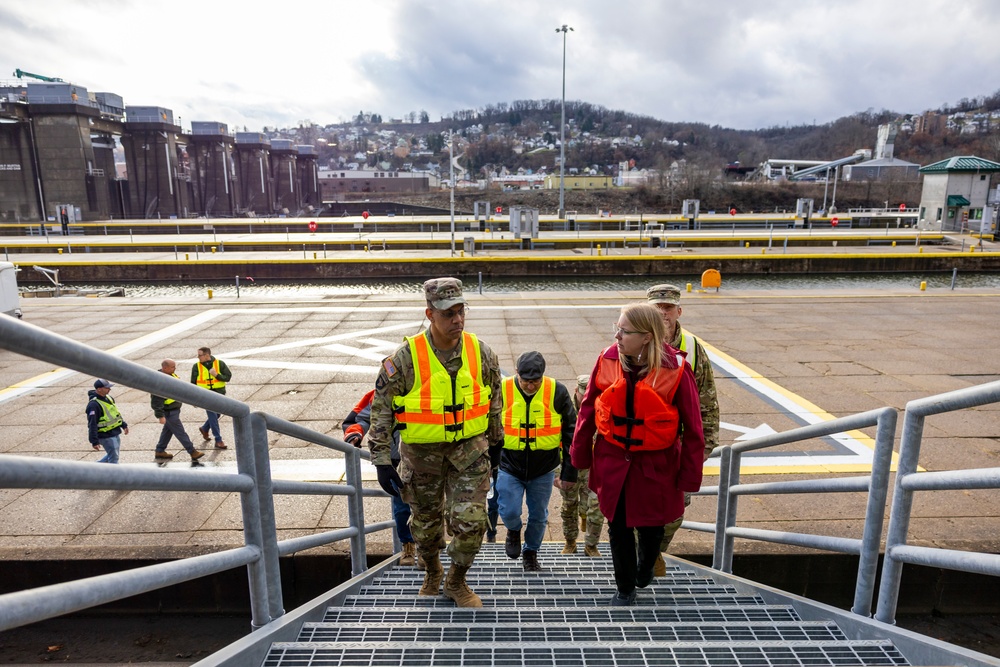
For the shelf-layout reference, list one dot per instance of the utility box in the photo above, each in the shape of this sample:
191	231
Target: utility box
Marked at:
690	210
10	300
524	222
803	212
469	244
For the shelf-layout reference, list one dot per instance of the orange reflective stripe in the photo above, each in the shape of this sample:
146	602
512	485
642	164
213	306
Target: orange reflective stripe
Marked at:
508	414
472	357
424	368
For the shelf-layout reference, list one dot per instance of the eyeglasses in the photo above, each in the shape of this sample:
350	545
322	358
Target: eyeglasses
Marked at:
452	314
615	329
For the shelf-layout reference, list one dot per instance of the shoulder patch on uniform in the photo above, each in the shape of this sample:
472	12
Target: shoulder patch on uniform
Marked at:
390	368
381	381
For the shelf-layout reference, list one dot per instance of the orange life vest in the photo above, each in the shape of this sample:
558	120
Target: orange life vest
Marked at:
638	417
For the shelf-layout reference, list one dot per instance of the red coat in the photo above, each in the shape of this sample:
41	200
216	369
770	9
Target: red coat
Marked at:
655	481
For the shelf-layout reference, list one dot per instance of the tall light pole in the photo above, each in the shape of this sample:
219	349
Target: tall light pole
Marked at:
562	131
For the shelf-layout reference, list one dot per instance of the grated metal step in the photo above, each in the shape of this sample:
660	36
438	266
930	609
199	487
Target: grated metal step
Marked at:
553	587
721	614
561	601
814	654
479	632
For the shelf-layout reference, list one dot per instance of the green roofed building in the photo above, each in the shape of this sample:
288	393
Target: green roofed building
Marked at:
955	193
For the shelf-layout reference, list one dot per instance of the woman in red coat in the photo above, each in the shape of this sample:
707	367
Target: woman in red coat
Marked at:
642	403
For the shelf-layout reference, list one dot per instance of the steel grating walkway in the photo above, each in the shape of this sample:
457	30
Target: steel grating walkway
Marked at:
561	617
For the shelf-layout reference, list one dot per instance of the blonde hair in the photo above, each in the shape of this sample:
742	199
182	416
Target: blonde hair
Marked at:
645	318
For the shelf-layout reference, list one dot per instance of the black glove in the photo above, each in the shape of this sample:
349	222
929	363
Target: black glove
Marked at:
386	476
353	439
495	452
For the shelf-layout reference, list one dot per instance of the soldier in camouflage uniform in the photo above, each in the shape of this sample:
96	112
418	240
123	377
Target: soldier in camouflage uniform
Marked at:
667	299
579	500
441	389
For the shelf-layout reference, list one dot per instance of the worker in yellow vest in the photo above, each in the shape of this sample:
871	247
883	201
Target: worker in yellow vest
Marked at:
441	391
538	423
212	374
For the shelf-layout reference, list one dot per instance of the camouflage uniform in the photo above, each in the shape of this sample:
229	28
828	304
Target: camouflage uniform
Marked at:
456	471
704	378
579	500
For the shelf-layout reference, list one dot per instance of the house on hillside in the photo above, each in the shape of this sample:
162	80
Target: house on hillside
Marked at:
954	193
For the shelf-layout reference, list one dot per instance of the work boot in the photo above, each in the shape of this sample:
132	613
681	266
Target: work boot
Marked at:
512	547
421	565
491	537
591	551
163	455
433	572
195	455
530	561
570	547
456	588
204	434
407	559
659	566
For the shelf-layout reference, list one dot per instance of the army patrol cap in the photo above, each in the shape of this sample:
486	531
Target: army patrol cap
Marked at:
581	383
531	366
664	294
443	293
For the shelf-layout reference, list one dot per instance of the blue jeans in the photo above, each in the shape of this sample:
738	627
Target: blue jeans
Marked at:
512	492
212	424
111	446
401	514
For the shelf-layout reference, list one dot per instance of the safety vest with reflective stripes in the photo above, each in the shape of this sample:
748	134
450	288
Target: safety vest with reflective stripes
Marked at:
530	426
171	401
441	407
637	416
207	381
689	346
110	418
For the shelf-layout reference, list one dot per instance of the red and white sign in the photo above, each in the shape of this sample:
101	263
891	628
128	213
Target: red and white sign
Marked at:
312	225
902	207
732	211
364	215
499	209
834	221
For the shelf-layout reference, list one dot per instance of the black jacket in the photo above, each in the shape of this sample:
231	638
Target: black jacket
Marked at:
527	464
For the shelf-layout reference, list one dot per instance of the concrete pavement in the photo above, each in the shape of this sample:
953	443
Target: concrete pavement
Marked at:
308	361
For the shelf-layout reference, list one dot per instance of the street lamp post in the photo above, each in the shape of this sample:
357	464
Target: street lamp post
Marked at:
562	131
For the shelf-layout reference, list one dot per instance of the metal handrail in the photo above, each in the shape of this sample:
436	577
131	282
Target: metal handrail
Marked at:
253	482
877	485
908	480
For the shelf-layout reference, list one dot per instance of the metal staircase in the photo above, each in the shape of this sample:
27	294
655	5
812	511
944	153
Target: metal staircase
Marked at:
692	617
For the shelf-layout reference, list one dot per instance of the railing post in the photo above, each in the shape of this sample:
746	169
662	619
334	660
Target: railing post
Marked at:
269	531
732	498
878	490
356	511
899	515
250	504
720	507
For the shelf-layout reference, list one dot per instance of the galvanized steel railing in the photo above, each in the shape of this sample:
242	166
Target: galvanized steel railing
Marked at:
253	482
876	484
908	480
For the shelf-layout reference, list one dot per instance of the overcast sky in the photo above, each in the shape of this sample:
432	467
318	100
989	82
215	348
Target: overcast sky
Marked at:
722	62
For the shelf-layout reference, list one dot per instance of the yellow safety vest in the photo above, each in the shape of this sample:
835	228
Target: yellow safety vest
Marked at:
534	426
168	401
439	407
207	381
110	418
689	345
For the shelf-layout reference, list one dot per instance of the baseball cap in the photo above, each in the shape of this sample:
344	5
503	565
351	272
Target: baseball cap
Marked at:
102	383
443	293
664	294
531	365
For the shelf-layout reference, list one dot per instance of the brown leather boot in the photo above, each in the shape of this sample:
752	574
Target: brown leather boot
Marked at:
659	566
456	588
407	559
570	547
591	551
433	572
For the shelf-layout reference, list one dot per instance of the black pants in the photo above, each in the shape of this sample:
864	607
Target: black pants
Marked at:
623	547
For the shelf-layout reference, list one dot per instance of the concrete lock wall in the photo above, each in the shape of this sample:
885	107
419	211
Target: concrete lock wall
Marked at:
18	189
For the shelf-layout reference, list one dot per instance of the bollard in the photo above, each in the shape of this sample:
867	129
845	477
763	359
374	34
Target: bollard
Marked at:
746	245
598	249
314	255
209	294
972	248
923	285
60	251
920	249
689	288
187	256
213	249
461	253
893	244
763	251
